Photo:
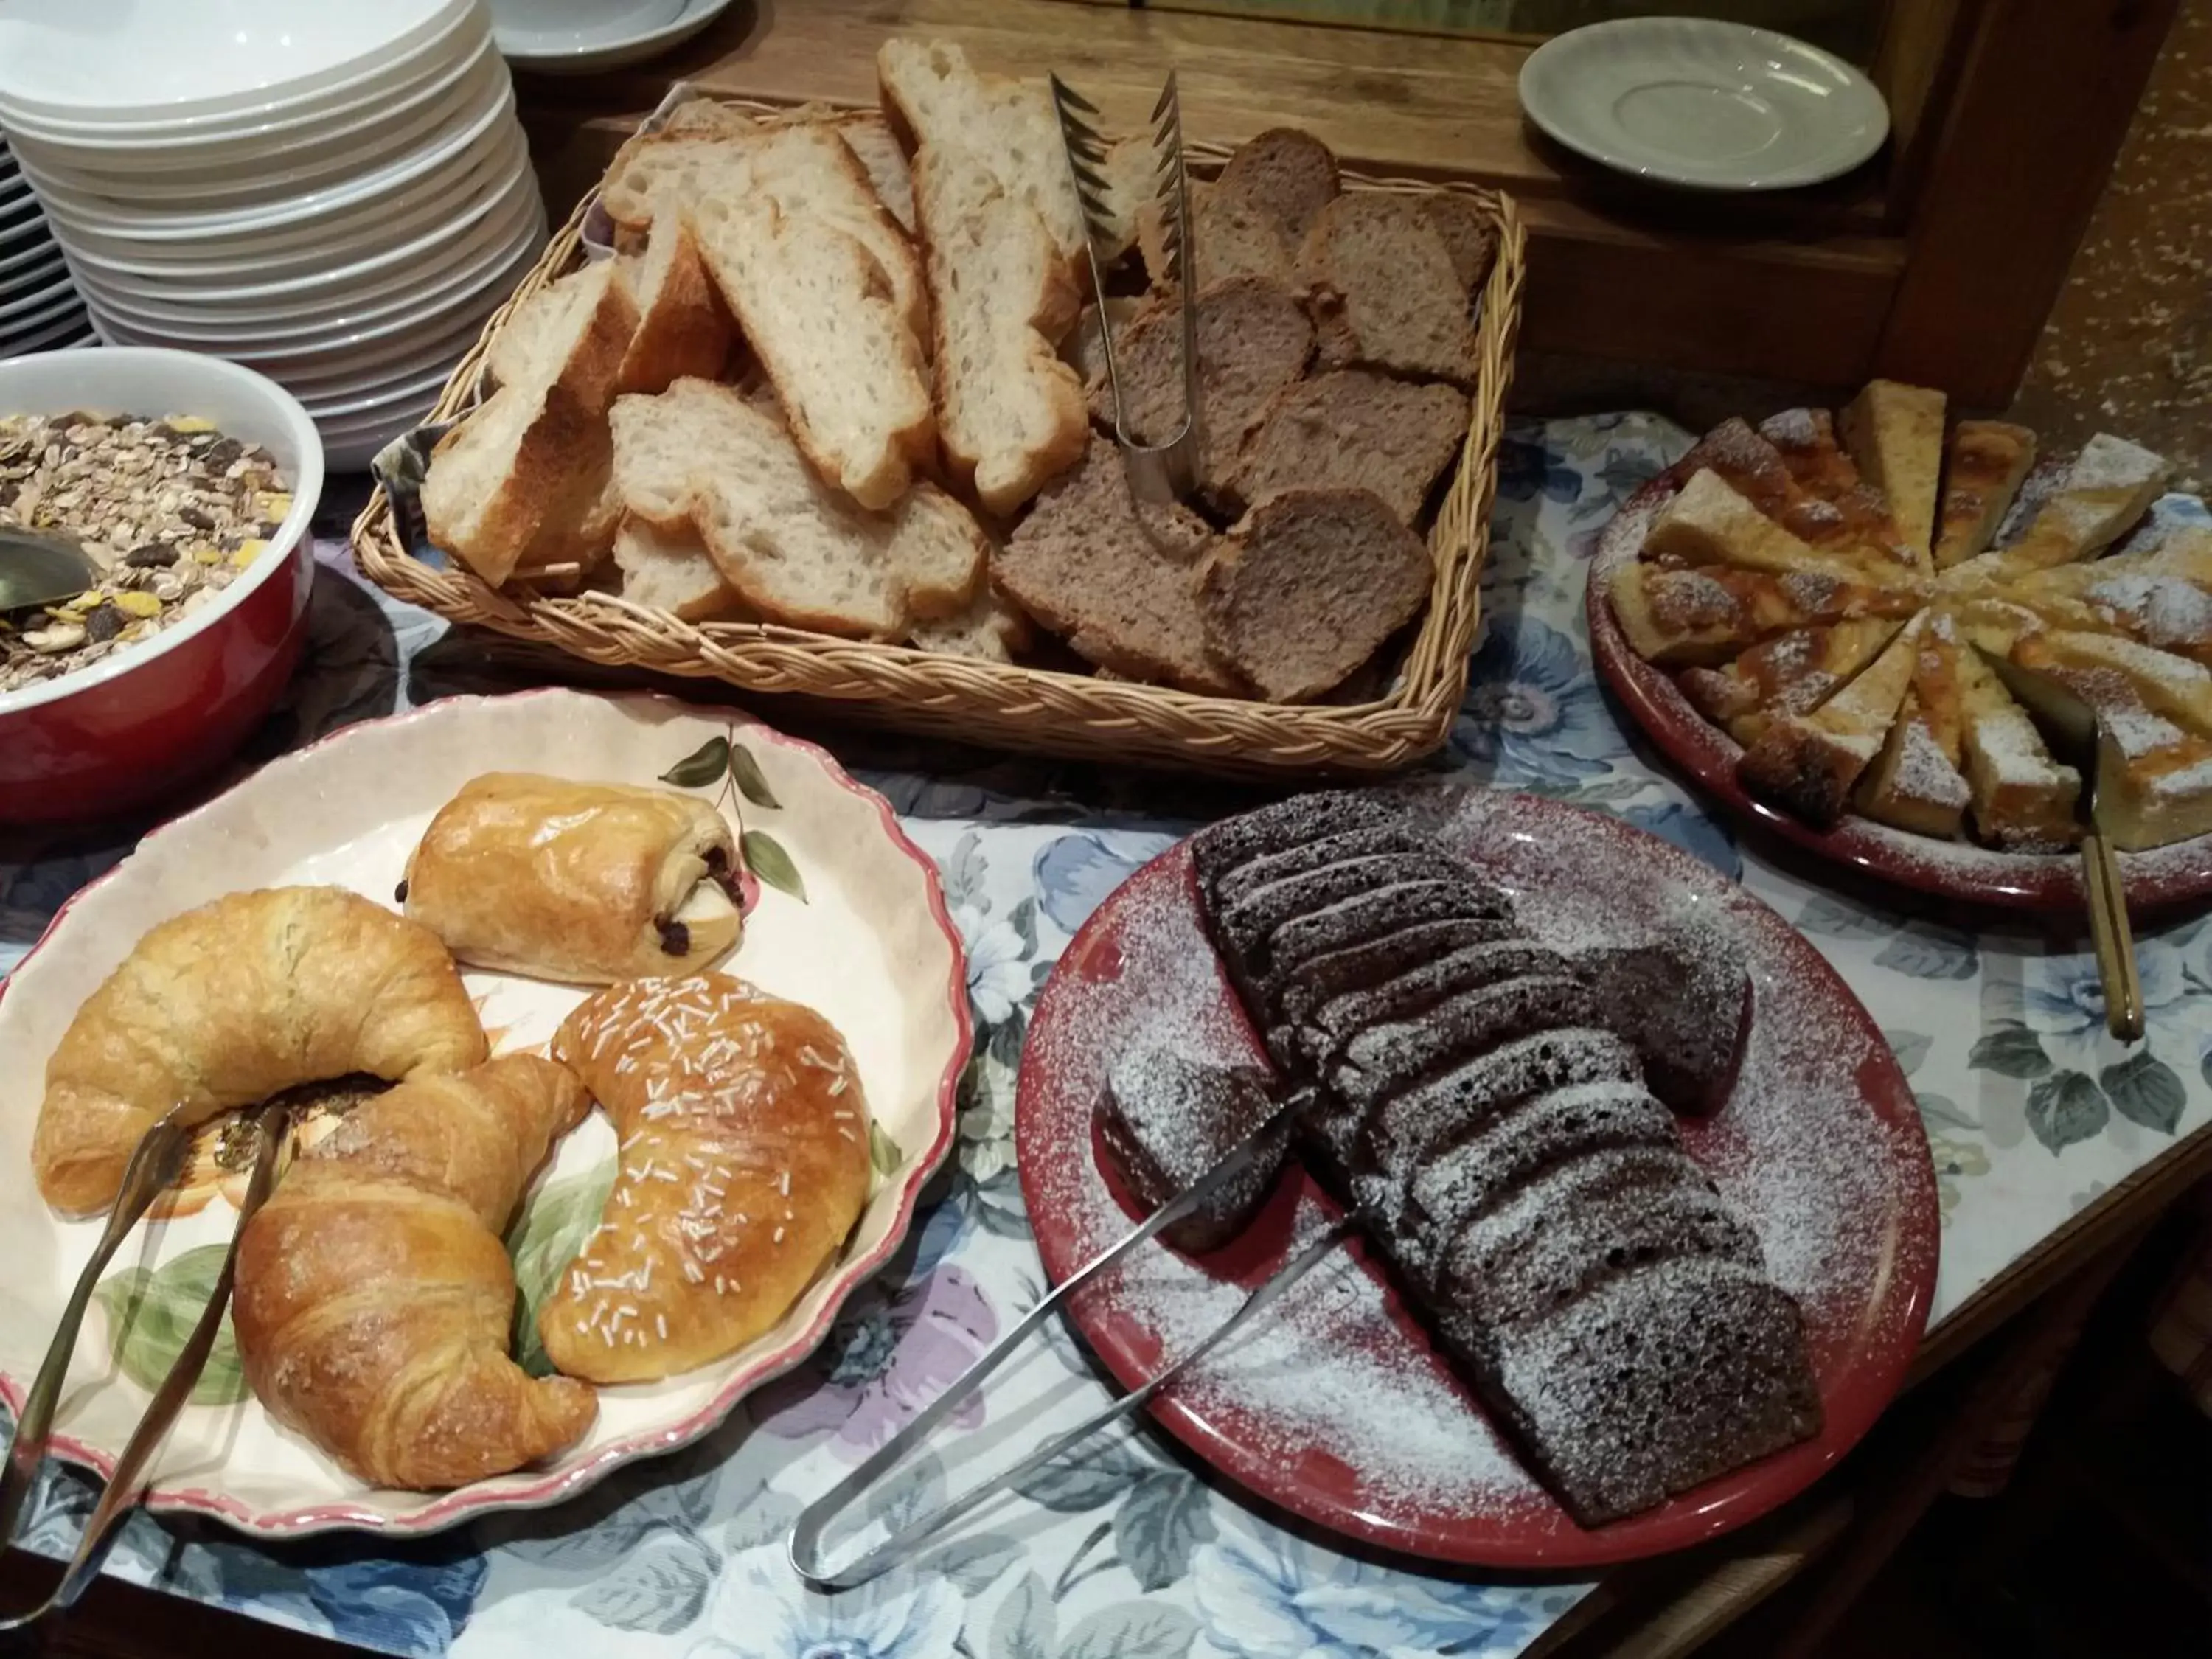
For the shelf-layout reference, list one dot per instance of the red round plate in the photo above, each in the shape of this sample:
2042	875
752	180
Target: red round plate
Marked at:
1336	1407
2179	874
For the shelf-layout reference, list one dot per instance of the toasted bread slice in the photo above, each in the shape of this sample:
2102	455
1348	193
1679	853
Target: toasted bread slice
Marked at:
1989	458
683	327
1809	763
797	551
1916	784
1895	433
818	308
2110	486
672	572
1792	673
521	480
1700	616
2023	800
1711	523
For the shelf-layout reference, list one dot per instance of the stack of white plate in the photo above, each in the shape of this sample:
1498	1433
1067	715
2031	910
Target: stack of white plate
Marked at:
39	310
337	195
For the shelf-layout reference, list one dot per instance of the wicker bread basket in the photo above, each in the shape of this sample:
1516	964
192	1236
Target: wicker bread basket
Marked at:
1017	708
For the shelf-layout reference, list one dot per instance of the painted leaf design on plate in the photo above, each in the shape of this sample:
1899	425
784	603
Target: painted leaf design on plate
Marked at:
765	858
751	784
2010	1050
883	1154
560	1216
150	1314
1165	1518
702	766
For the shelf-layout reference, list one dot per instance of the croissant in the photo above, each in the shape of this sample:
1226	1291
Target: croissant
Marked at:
583	881
240	1000
374	1299
744	1166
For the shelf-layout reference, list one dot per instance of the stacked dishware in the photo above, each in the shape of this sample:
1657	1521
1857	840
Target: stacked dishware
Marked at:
39	308
337	195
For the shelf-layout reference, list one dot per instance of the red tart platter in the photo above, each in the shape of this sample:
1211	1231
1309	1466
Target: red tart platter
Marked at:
1334	1405
2156	879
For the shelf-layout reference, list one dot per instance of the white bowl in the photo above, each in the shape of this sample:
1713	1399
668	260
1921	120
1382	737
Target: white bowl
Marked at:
417	395
93	61
165	147
417	175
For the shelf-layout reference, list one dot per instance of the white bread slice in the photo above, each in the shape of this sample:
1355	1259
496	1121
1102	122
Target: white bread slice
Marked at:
820	310
1011	414
523	478
1006	126
1002	233
1894	433
672	572
992	629
876	148
797	551
521	351
682	327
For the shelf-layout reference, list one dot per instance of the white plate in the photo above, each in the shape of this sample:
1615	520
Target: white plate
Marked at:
74	329
163	144
93	61
67	308
30	250
534	53
1707	105
330	209
872	949
284	167
19	299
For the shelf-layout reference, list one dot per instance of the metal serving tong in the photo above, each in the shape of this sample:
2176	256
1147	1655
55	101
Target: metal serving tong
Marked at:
807	1532
1168	470
159	1159
2070	724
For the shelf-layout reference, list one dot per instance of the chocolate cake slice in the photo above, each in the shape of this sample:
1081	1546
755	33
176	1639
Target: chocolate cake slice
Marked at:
1488	1105
1657	1381
1684	1001
1167	1120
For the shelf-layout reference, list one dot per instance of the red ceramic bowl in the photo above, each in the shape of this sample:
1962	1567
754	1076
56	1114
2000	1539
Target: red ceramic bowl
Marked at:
145	721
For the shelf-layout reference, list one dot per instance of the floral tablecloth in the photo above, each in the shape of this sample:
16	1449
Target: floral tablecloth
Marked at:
1125	1552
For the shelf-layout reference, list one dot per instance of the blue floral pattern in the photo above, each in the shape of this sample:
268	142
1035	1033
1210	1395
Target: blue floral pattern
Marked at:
2032	1112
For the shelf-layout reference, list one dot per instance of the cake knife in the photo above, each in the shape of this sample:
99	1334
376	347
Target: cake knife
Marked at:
806	1548
2070	724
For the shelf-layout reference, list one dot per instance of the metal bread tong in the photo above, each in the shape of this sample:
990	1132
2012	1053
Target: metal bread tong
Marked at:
806	1555
2070	724
1167	470
159	1159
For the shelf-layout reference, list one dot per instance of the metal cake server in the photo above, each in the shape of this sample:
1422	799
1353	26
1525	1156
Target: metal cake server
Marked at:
157	1162
1168	470
806	1552
2070	724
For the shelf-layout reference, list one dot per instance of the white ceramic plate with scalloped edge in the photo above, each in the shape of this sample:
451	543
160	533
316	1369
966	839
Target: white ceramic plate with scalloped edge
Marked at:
862	933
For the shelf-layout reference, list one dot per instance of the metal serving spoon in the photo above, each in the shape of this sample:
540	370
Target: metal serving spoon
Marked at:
42	567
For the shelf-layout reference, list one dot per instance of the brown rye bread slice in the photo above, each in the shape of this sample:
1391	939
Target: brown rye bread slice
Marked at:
1288	175
1352	429
1115	579
1386	293
1307	588
1254	340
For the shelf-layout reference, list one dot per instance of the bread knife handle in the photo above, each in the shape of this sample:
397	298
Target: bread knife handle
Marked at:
2113	939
